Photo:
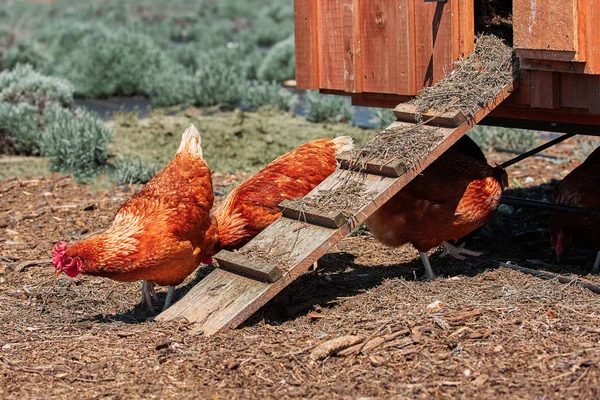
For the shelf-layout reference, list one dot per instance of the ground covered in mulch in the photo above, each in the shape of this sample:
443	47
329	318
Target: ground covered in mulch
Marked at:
493	332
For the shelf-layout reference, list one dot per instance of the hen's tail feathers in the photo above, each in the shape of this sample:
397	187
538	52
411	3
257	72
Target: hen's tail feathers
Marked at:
343	143
191	142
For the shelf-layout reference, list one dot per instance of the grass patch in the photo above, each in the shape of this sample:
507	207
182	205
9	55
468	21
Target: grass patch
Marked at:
231	141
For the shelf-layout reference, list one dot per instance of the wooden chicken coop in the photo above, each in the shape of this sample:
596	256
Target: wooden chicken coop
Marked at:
383	53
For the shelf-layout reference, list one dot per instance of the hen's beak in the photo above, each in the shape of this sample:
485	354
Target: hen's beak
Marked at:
57	273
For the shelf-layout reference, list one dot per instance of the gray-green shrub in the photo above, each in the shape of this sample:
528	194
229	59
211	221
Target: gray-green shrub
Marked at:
489	137
383	117
25	96
327	108
111	62
26	51
130	170
76	142
260	94
279	63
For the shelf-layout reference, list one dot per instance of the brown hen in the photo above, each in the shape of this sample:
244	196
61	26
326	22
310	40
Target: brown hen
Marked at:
159	235
578	189
253	205
455	195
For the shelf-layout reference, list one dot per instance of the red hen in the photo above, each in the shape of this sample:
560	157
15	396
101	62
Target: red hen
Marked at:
159	235
578	189
455	195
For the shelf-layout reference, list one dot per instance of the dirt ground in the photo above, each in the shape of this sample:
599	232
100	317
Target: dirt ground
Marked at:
500	333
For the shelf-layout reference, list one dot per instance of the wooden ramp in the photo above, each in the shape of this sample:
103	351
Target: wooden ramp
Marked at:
232	293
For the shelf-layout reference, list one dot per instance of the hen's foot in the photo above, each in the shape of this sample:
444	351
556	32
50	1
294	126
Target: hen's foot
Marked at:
457	252
148	294
429	275
596	263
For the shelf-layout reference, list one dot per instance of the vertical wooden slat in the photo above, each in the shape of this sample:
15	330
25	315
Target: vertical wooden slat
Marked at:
386	46
352	51
305	28
593	37
466	21
574	90
331	44
433	40
545	89
594	93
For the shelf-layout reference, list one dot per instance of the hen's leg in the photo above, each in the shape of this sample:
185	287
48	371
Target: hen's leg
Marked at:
169	297
148	294
428	271
457	252
596	263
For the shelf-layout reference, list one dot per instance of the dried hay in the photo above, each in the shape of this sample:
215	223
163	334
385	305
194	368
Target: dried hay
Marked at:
475	82
404	145
348	197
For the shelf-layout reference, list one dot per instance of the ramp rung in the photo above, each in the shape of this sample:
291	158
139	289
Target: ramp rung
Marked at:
375	167
326	219
449	119
240	264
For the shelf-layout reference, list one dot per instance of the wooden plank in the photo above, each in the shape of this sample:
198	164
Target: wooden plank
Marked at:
311	215
466	27
236	262
352	50
387	46
330	16
593	94
433	42
376	167
306	42
545	89
451	119
561	115
224	300
547	25
575	90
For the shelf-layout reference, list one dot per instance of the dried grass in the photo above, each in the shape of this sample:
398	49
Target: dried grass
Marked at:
475	81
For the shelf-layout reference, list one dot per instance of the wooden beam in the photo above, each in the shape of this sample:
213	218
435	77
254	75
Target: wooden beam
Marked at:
241	264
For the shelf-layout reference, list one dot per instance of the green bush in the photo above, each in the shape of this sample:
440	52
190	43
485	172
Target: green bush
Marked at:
76	142
279	63
25	96
327	108
24	85
260	94
111	62
130	170
173	85
218	79
489	137
383	117
19	129
26	52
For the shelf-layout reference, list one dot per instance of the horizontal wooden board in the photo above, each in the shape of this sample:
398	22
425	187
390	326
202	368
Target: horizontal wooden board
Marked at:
451	119
376	167
243	265
311	215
